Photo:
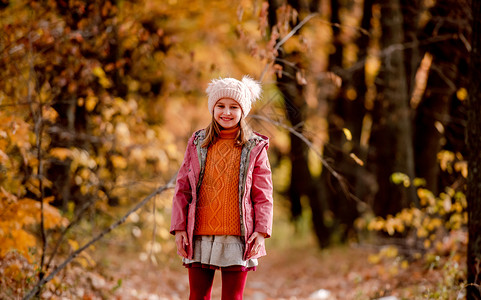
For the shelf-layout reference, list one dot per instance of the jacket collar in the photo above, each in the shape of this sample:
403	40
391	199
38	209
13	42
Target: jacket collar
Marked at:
255	138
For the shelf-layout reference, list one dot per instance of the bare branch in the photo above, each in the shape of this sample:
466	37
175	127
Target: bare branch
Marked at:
397	47
299	26
285	39
38	129
67	229
294	30
114	225
342	181
340	26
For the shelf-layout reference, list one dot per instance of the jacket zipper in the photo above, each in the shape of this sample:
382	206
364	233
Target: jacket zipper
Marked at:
201	164
243	185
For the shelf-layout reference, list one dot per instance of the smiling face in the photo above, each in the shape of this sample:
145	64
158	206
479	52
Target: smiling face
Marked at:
227	113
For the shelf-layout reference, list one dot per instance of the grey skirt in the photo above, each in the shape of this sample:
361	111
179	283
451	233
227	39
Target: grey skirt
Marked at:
220	251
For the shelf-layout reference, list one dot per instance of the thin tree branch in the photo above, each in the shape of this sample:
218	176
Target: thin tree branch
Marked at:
303	138
397	47
340	26
294	30
79	214
285	39
298	26
67	229
114	225
154	232
38	133
342	181
38	129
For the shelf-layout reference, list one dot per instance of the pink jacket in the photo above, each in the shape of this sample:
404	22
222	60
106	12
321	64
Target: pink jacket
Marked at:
255	189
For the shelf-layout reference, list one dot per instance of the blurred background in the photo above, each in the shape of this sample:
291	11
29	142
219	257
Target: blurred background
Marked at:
364	103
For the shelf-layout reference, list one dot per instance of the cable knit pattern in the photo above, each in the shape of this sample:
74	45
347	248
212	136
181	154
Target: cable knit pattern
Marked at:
217	210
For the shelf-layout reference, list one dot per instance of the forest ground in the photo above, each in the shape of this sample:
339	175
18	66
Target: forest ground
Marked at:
292	272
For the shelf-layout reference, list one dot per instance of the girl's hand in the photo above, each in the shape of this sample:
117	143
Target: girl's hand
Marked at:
257	240
181	242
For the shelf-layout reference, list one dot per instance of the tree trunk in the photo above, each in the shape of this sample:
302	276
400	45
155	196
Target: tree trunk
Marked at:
344	113
391	147
474	159
448	72
411	11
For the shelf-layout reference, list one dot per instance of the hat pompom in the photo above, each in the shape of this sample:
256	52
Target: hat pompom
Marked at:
253	87
212	87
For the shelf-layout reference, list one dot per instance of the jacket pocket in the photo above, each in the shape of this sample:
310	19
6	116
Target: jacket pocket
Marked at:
249	215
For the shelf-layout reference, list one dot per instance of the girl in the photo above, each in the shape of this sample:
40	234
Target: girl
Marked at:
223	206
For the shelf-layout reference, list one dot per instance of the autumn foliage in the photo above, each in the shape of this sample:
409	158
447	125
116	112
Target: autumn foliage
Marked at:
98	98
93	118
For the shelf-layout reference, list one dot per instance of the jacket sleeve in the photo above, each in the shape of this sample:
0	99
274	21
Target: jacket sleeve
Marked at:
261	194
182	195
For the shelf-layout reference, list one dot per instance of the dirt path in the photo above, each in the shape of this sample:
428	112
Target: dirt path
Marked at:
293	273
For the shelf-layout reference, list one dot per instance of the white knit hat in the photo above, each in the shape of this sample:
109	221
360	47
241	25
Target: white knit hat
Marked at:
244	92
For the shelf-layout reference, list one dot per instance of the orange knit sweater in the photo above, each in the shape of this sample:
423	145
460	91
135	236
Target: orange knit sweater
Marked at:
217	210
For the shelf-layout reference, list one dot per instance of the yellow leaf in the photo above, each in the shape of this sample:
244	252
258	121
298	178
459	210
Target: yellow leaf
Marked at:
347	133
445	159
422	232
83	261
61	153
90	103
3	157
49	199
12	271
49	113
462	94
419	181
33	186
439	246
84	189
98	71
9	197
457	207
103	80
73	244
17	239
119	162
376	224
351	94
462	166
356	159
372	65
292	44
390	226
88	259
393	270
399	177
389	251
374	259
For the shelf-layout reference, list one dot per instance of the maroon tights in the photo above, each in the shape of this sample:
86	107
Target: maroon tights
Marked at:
201	280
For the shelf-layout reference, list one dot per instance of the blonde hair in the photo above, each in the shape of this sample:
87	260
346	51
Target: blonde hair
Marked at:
212	133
